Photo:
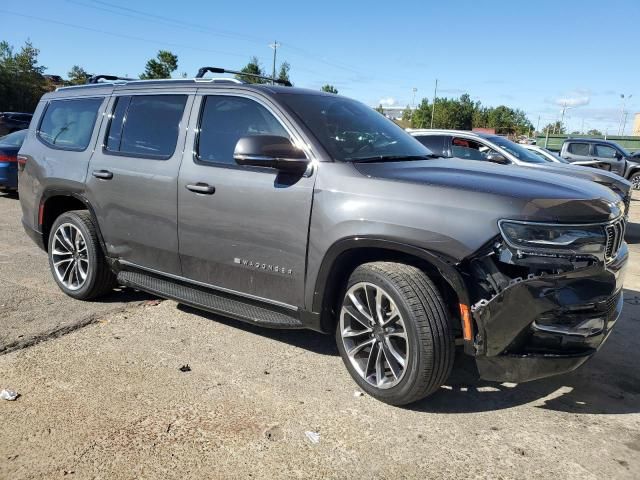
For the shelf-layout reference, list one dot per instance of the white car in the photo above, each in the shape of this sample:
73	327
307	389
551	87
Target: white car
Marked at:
545	154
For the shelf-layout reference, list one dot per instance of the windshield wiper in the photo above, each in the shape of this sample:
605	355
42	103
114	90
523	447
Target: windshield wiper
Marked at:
391	158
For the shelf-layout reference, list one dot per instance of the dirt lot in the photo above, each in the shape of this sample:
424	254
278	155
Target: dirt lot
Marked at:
102	396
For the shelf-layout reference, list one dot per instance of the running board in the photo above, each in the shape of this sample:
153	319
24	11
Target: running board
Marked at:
207	299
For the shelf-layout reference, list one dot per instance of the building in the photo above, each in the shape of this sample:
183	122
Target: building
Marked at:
636	125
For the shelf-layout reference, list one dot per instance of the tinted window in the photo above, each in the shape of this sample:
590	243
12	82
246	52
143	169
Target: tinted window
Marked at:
605	151
225	120
579	149
435	143
468	149
69	123
146	125
516	150
350	130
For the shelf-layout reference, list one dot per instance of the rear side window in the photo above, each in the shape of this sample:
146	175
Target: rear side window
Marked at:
225	119
435	143
579	149
68	124
145	125
605	151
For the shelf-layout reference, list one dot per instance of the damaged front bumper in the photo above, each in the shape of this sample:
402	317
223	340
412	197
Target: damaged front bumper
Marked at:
548	324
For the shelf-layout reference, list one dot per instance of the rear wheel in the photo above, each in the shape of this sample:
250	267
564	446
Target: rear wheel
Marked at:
635	180
394	334
76	258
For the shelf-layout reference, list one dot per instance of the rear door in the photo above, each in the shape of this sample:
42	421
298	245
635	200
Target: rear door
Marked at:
242	229
132	178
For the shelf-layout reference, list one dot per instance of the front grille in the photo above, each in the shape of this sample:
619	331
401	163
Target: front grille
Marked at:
615	237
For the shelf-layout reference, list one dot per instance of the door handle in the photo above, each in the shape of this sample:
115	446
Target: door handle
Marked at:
103	174
202	188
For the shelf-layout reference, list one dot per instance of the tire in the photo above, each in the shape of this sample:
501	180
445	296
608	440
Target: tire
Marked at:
635	180
86	253
407	295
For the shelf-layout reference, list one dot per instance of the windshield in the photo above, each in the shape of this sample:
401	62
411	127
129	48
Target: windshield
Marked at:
351	131
516	150
14	139
547	155
624	152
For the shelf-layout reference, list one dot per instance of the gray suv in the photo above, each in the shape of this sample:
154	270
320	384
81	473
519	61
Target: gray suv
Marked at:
292	208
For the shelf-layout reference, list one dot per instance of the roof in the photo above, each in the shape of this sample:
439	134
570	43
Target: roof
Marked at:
108	87
438	131
589	140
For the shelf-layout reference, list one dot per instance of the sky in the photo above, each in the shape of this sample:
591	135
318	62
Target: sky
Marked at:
535	56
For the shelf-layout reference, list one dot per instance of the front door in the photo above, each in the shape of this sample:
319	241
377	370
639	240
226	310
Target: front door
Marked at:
132	179
242	229
609	156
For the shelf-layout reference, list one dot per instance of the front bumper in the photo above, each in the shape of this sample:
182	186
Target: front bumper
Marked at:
551	324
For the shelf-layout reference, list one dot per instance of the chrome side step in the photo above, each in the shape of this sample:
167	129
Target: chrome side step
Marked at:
207	299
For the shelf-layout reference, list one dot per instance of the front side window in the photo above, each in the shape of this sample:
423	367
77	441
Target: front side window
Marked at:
581	149
435	143
516	150
605	151
226	119
468	149
145	125
68	124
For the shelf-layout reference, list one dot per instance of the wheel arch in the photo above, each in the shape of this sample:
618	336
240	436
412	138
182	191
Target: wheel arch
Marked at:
54	203
345	255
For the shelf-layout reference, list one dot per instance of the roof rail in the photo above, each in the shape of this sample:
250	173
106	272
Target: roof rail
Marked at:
204	70
109	78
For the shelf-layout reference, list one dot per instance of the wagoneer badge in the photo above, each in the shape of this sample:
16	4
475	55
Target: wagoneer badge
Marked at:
263	266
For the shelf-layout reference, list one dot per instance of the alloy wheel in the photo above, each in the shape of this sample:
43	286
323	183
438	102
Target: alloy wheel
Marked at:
374	335
69	256
635	182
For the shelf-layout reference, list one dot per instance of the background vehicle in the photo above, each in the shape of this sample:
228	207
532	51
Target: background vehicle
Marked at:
545	154
493	148
13	121
602	154
9	147
293	208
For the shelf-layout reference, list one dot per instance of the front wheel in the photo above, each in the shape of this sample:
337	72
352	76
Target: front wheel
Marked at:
76	258
394	333
635	180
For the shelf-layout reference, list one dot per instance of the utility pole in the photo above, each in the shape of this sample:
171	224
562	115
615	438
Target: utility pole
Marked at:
582	126
624	122
538	125
413	99
622	116
433	107
275	46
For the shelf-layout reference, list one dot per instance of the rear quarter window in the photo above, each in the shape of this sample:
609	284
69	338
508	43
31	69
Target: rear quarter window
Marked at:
581	149
68	124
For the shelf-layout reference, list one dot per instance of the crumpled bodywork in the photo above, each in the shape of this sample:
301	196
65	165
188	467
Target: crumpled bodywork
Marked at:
547	323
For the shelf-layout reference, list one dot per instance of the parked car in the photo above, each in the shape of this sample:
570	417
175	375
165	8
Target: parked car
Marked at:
293	208
546	154
13	121
602	154
9	146
494	148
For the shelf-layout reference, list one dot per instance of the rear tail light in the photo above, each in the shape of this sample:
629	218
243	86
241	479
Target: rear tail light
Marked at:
8	158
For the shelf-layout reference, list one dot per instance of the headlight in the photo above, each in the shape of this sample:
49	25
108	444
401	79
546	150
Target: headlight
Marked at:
553	238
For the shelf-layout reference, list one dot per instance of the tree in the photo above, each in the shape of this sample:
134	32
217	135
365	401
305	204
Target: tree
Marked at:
284	72
379	109
329	89
554	128
162	66
21	78
252	68
594	132
77	76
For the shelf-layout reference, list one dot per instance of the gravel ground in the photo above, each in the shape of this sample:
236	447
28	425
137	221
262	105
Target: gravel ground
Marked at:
102	396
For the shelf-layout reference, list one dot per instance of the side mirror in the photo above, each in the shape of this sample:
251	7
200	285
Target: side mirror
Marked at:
496	157
618	156
270	151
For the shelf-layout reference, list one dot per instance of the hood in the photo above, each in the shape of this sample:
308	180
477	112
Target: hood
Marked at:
532	194
610	180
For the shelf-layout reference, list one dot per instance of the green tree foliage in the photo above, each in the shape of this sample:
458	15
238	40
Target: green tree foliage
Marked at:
253	68
21	80
554	128
162	66
284	72
77	76
329	89
594	132
464	114
379	109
